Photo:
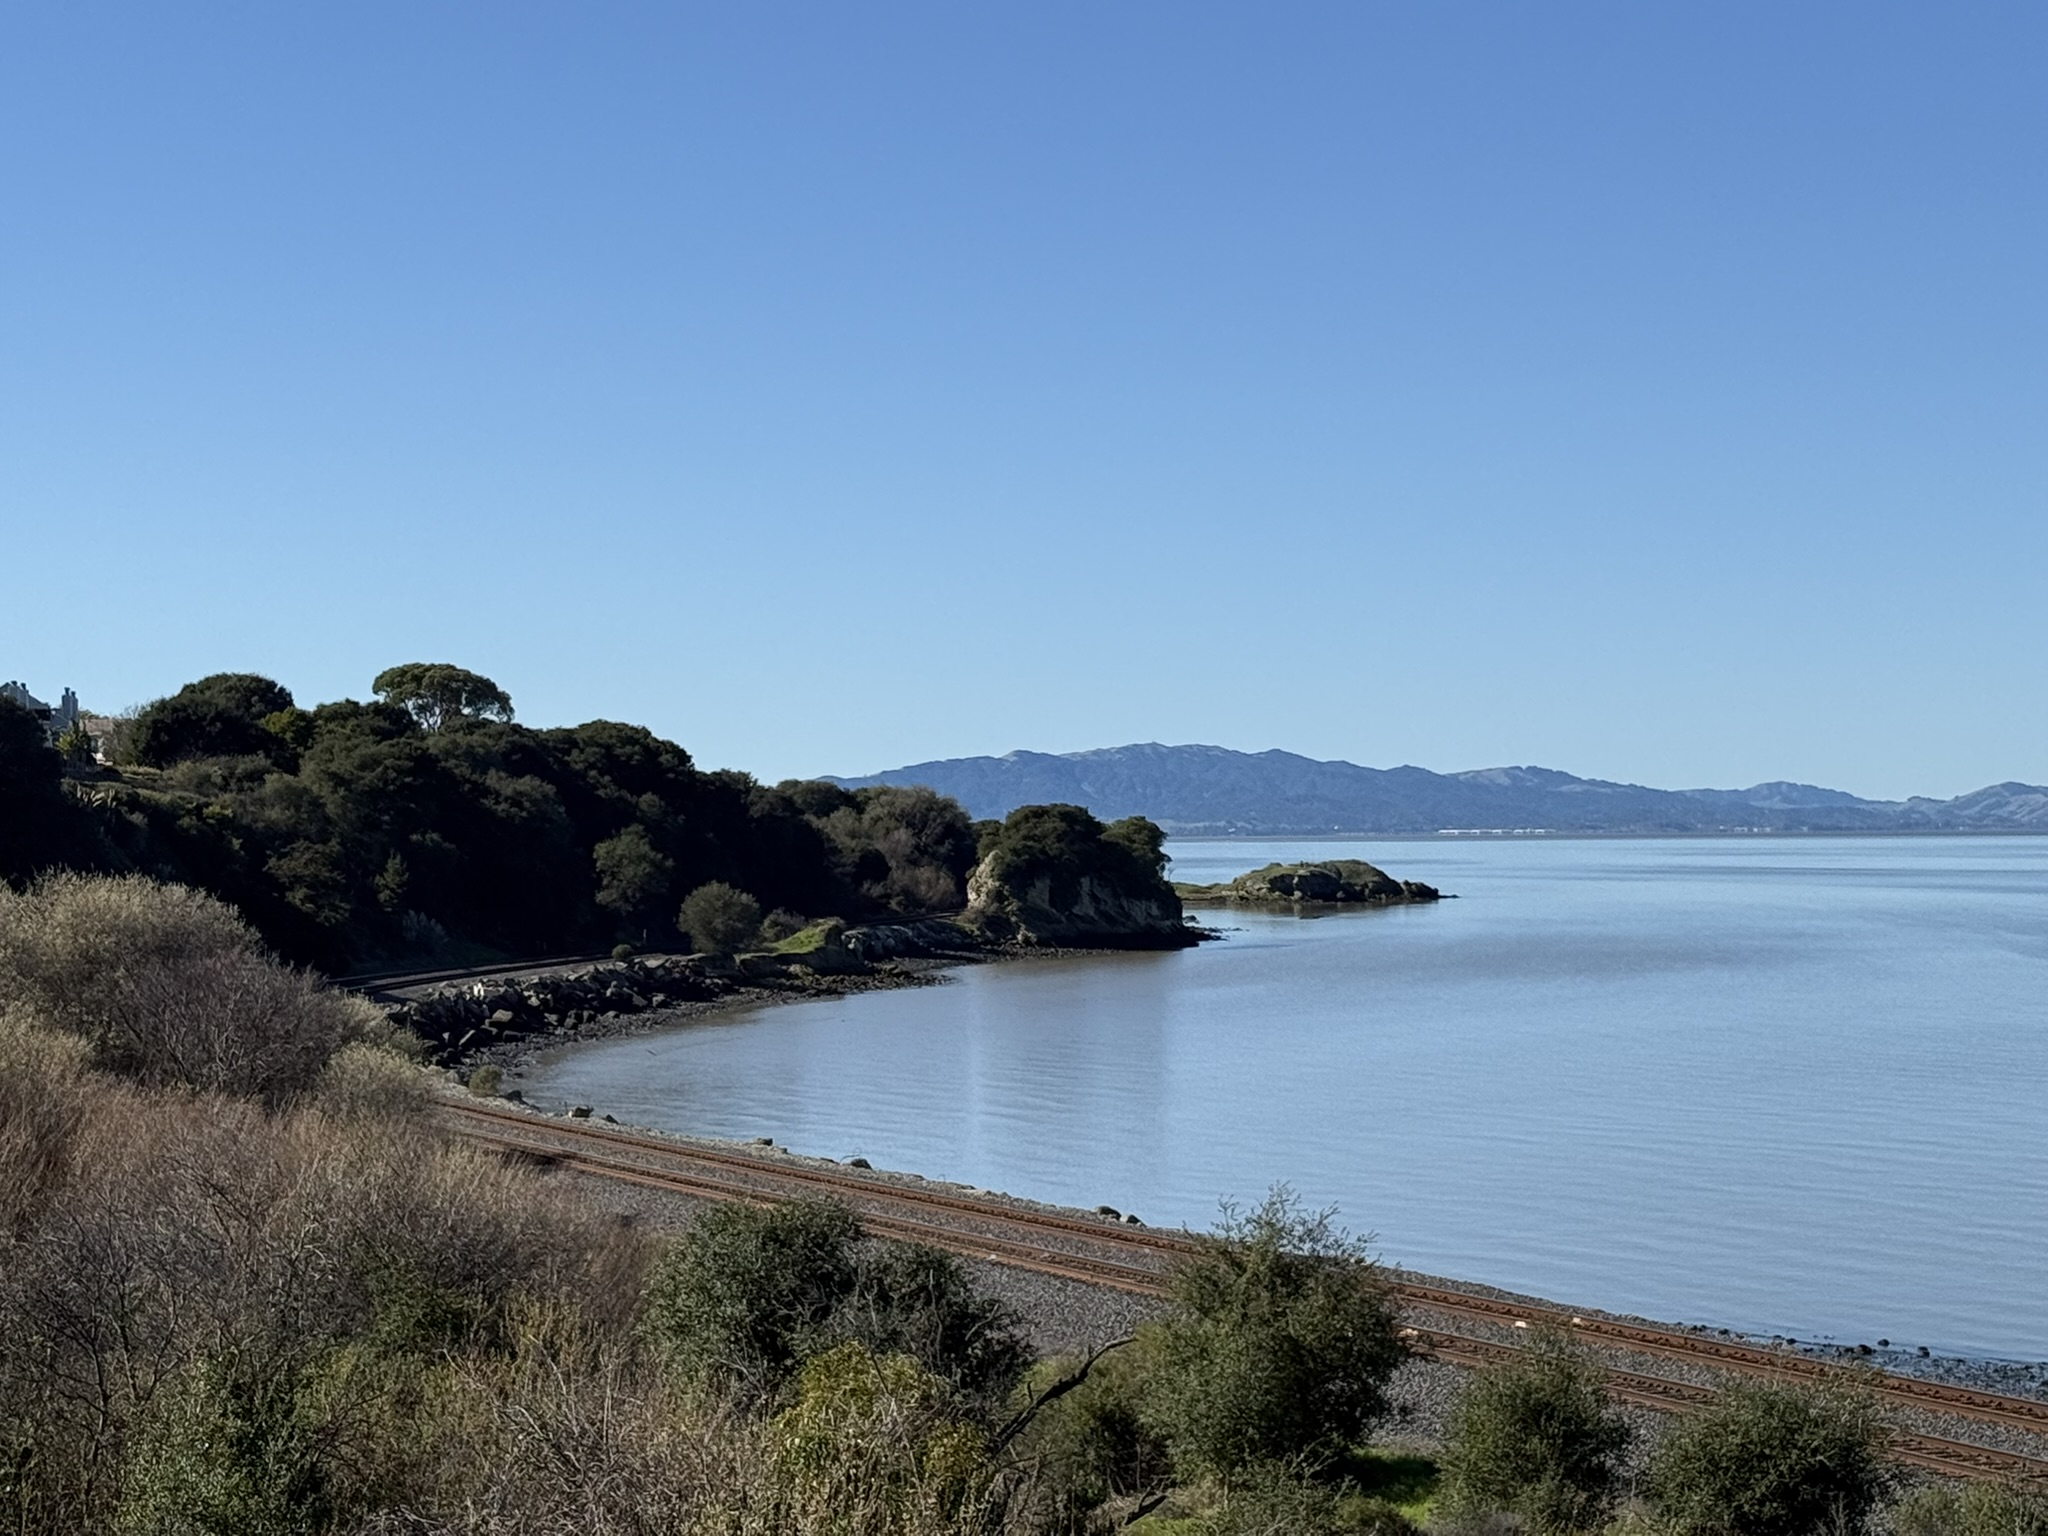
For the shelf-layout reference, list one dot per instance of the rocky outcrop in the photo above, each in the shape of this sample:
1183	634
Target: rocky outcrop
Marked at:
1332	882
1083	912
468	1016
455	1019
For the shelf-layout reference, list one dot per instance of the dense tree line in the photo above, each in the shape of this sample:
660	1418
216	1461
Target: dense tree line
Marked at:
428	823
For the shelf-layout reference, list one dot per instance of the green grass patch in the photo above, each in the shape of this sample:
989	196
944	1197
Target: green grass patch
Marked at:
805	940
1405	1479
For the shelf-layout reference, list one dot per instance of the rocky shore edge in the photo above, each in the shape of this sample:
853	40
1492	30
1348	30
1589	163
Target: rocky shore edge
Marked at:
500	1020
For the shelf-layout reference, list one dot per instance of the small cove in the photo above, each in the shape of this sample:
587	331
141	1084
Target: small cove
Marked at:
1778	1084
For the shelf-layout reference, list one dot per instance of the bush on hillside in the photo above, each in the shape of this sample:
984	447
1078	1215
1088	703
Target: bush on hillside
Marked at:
911	1300
744	1296
168	986
1981	1509
1535	1438
1277	1346
1769	1459
874	1444
1094	1441
207	1301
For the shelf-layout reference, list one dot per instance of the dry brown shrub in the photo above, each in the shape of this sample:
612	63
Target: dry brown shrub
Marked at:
364	1081
169	986
186	1228
43	1093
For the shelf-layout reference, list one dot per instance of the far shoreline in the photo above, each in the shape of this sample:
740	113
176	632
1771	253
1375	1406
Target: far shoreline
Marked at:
513	1055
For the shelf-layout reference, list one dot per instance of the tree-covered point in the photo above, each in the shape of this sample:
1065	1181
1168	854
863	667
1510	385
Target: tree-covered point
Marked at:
1066	844
429	825
1053	874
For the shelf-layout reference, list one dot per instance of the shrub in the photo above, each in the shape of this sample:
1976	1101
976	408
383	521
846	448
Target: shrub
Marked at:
1094	1440
872	1445
43	1098
1981	1509
782	924
917	1301
1772	1460
745	1295
219	1456
169	986
195	1266
1277	1344
1537	1439
371	1081
719	919
485	1081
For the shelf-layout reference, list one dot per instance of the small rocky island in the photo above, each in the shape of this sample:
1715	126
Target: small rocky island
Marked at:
1326	883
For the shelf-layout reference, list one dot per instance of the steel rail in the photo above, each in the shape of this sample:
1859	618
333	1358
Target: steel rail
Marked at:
1030	1239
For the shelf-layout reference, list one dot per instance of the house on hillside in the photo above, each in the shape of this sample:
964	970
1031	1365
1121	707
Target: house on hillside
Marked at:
57	718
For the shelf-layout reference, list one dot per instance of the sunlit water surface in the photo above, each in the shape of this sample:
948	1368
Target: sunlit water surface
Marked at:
1782	1085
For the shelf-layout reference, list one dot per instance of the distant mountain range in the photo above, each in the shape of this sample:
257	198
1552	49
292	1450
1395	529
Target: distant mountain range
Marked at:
1213	791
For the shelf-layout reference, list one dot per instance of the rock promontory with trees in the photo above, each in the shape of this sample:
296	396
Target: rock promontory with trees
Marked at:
428	827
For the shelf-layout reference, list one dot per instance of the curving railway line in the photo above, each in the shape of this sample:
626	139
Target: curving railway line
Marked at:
1460	1327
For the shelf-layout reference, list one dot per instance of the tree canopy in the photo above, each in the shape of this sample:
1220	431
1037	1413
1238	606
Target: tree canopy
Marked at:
436	693
218	716
356	833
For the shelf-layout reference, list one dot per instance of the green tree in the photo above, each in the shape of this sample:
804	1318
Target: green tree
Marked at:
218	716
435	693
1277	1345
632	874
1765	1459
1143	841
1535	1438
719	919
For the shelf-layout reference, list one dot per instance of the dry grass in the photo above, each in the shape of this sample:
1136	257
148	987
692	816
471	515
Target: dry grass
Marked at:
169	986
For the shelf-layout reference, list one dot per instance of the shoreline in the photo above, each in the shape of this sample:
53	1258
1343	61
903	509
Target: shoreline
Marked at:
2001	1373
510	1055
2009	1375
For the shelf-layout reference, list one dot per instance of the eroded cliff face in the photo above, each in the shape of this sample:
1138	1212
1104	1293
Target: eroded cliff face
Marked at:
1083	912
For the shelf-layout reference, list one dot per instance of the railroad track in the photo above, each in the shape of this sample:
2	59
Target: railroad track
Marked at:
1136	1259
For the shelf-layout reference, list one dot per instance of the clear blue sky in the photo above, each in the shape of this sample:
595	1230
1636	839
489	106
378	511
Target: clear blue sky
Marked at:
1651	391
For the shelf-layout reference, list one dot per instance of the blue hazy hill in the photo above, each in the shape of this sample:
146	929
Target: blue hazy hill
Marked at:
1214	790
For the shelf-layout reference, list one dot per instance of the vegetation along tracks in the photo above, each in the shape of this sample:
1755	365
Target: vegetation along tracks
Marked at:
1100	1251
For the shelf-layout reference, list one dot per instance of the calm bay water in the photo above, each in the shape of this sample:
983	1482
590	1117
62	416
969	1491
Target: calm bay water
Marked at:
1782	1085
